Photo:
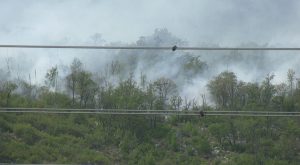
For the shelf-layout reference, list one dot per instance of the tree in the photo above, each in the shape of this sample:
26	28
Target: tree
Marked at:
223	89
72	78
192	65
7	89
280	96
85	87
51	77
129	95
176	102
150	97
267	90
164	89
291	79
143	79
51	83
241	99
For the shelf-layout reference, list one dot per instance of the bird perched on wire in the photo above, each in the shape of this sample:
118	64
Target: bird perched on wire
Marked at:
201	113
174	48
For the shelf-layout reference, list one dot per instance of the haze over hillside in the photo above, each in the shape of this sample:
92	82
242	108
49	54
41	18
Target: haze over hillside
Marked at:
190	70
195	23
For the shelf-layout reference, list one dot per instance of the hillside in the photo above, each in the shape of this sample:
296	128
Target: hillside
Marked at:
149	139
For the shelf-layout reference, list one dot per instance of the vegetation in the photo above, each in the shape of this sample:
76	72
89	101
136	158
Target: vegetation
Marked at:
121	139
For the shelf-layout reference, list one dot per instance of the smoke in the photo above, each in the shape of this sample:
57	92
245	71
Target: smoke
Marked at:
249	66
213	23
228	23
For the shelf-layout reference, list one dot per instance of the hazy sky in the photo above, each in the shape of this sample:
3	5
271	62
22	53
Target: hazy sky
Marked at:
224	22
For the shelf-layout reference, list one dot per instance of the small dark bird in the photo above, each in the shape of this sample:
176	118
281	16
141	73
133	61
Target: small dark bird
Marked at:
174	48
201	114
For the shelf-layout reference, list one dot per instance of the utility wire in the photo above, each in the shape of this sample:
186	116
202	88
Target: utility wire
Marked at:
139	110
148	112
173	48
145	113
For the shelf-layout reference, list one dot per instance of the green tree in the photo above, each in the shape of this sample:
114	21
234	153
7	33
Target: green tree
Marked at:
223	89
192	65
7	89
267	90
72	78
164	89
86	88
291	79
51	78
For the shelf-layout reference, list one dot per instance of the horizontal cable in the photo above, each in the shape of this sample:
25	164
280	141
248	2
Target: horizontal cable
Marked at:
147	47
142	110
87	109
257	115
143	113
149	112
97	112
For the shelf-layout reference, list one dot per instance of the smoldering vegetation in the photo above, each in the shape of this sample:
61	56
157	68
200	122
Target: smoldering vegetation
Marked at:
189	70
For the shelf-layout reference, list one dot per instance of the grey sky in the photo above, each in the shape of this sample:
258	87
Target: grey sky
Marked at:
224	22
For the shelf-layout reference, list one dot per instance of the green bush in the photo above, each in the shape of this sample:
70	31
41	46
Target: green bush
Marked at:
15	152
202	145
188	129
128	143
173	141
27	133
4	126
142	154
89	157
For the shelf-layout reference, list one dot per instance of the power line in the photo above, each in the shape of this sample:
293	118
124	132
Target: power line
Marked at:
140	110
149	112
96	112
145	113
173	48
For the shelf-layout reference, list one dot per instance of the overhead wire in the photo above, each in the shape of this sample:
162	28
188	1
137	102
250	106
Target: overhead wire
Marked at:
137	110
173	48
149	112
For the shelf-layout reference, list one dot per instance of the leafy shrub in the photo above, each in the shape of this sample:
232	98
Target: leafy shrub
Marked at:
4	126
27	133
